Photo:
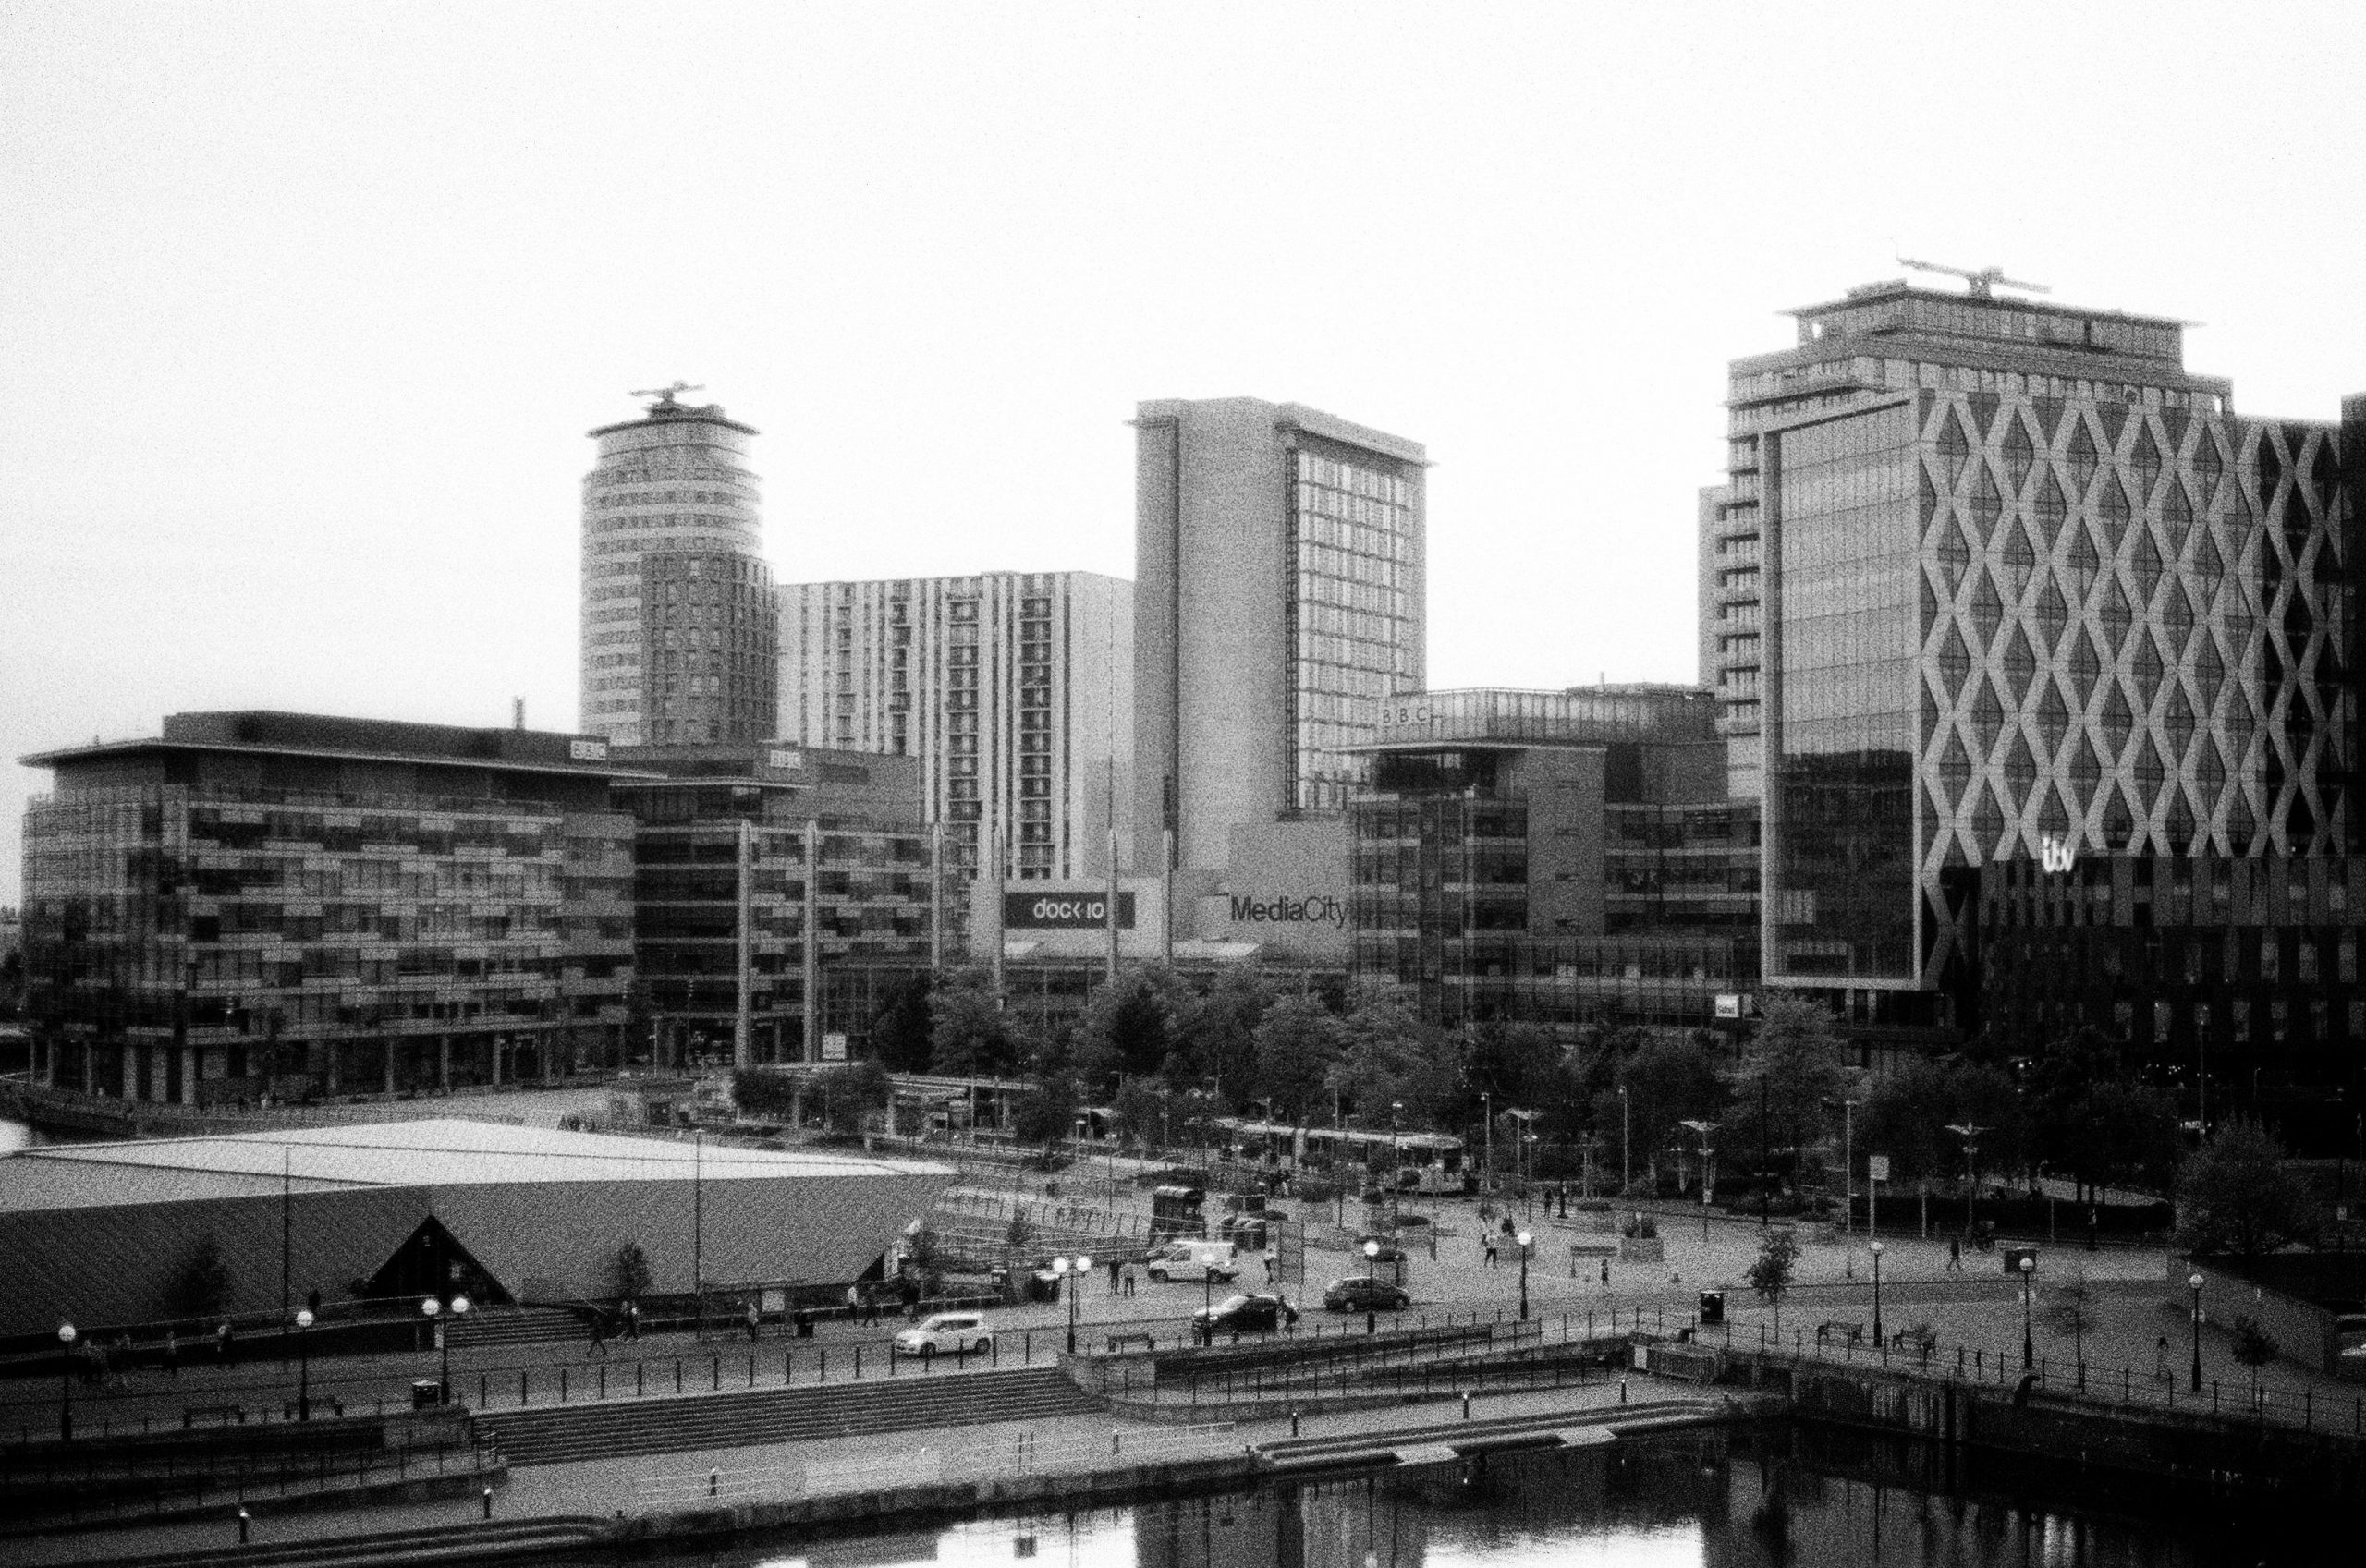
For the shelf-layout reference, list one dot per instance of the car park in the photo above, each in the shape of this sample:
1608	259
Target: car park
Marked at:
1359	1293
946	1333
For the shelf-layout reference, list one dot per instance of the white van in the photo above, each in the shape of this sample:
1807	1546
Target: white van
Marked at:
1194	1260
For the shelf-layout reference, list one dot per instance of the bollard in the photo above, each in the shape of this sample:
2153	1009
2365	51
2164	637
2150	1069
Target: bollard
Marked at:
713	1479
246	1522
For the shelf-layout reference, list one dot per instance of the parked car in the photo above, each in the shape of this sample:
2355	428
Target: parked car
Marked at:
1244	1314
1194	1260
944	1334
1359	1293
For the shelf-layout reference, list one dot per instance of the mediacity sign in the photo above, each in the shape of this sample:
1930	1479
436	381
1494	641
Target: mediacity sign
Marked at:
1315	909
1064	911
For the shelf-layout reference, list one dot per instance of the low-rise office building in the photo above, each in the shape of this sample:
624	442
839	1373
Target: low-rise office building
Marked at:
1555	857
261	904
765	874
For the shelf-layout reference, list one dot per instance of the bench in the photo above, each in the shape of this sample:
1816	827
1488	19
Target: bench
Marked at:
1920	1339
1852	1334
1119	1341
225	1413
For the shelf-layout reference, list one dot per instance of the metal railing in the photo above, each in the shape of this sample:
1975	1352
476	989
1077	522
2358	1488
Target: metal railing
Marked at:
130	1489
1019	1454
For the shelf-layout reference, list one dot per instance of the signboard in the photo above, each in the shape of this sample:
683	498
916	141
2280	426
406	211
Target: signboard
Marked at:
1728	1004
1396	714
588	750
834	1046
1064	911
2055	854
787	760
1289	1252
1877	1167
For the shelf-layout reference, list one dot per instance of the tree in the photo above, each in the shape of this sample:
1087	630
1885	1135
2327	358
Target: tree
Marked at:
1045	1115
1388	1056
1791	1068
1299	1044
849	1095
2071	1309
902	1031
202	1283
2254	1347
630	1273
1216	1042
969	1035
1131	1023
2235	1197
1770	1272
1669	1080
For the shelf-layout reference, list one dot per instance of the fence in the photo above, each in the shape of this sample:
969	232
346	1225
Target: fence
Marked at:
2302	1409
129	1490
1023	1454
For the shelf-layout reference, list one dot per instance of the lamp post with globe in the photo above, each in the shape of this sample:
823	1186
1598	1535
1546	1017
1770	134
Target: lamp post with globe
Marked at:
1876	1250
1524	1238
65	1331
2028	1271
433	1310
2193	1284
303	1364
1072	1273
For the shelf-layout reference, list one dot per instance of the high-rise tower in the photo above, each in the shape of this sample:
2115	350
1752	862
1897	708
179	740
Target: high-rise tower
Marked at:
1279	567
2000	581
677	620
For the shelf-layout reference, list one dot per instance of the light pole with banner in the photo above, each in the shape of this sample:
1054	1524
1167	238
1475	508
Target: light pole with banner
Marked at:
1704	1129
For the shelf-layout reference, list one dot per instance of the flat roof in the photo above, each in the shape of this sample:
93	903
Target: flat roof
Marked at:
448	1152
405	759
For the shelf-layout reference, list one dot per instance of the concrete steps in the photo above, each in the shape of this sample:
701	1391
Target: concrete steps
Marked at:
515	1325
779	1415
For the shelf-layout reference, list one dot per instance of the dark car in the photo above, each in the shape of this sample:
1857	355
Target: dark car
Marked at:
1244	1314
1361	1295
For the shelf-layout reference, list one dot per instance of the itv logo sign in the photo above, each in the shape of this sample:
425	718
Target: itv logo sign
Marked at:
2054	854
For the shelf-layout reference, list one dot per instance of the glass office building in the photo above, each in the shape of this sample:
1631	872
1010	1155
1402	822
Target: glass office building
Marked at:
1554	858
2011	578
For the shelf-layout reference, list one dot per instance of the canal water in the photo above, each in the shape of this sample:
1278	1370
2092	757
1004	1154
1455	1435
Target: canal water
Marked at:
1775	1495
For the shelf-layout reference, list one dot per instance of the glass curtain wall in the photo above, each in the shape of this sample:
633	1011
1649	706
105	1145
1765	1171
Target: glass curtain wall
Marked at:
1350	619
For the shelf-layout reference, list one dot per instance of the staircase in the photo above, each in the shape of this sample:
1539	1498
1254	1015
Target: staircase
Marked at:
565	1434
513	1325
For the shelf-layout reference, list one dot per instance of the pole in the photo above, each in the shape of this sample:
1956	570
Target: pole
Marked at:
742	1021
936	903
994	873
1166	895
2029	1279
2193	1284
811	978
1878	1341
1111	911
1848	1181
697	1216
1625	1140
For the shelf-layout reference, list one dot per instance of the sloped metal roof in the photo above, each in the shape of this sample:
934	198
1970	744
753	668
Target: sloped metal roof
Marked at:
429	1153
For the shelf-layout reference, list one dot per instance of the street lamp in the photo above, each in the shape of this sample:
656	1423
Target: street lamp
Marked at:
1372	1295
1396	1160
2029	1351
1524	1238
433	1310
1704	1129
303	1364
1970	1133
1878	1341
66	1382
2193	1284
1626	1132
1080	1267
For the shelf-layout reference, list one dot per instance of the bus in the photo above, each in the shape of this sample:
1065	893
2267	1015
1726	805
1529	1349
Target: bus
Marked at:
1424	1162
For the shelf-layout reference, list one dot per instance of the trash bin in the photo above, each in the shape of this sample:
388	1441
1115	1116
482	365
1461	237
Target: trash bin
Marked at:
1712	1309
426	1393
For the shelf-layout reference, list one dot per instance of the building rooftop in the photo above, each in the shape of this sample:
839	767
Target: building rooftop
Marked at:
265	733
1592	715
443	1152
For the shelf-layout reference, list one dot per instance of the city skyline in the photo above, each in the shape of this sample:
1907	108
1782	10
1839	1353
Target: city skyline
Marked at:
311	322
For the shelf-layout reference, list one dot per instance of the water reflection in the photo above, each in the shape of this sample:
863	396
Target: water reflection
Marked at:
1758	1498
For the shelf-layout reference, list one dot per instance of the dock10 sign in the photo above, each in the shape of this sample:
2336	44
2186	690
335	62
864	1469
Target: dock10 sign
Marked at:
1064	911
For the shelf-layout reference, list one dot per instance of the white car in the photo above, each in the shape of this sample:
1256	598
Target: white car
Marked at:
946	1333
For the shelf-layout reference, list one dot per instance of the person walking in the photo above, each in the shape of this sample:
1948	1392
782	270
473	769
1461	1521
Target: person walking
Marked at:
1492	1263
1115	1268
1955	1254
632	1320
599	1333
1605	1274
172	1353
871	1309
222	1343
1131	1276
755	1320
854	1301
2160	1373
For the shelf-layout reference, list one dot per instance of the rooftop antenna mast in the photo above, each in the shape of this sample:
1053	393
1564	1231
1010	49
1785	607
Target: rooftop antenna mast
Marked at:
666	395
1985	282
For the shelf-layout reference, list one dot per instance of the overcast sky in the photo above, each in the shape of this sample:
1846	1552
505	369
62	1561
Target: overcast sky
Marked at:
305	309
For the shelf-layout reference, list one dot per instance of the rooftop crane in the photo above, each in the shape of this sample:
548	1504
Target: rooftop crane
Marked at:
1984	282
666	395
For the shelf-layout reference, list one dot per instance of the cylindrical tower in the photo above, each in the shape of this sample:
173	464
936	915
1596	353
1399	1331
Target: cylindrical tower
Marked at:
671	507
